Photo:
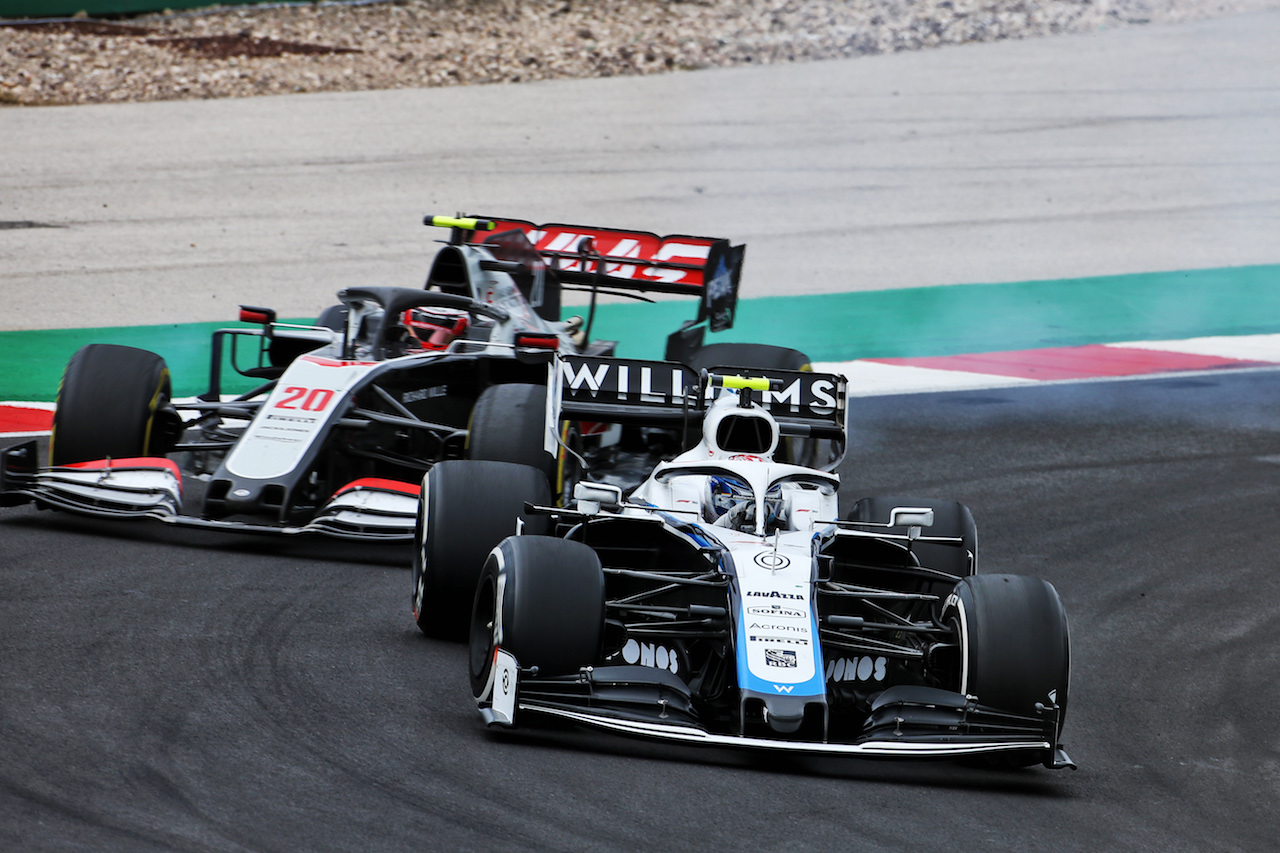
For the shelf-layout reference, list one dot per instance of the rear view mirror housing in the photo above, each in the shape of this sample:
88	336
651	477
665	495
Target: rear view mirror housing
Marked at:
592	497
911	517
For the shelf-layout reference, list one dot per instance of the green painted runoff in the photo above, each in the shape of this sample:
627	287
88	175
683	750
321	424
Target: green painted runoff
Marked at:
922	321
972	318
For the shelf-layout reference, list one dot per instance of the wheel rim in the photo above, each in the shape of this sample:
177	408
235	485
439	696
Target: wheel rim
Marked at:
419	558
483	617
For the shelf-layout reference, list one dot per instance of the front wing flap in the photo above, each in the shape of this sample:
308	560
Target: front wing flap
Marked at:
644	702
151	488
871	748
113	488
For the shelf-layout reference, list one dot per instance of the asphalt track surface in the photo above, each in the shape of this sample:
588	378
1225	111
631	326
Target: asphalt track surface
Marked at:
177	691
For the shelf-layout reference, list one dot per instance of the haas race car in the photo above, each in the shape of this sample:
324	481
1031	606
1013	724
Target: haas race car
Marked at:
347	414
723	602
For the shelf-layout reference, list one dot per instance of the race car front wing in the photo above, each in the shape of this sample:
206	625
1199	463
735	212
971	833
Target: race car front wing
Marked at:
151	488
906	722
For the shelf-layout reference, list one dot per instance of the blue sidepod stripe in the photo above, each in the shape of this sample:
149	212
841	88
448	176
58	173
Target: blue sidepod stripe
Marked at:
815	687
747	680
683	525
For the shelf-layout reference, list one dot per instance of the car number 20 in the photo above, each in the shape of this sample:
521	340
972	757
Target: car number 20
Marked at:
306	399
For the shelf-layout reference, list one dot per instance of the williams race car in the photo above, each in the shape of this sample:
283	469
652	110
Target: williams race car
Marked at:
722	602
349	412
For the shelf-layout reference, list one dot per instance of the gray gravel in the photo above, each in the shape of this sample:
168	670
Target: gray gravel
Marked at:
239	52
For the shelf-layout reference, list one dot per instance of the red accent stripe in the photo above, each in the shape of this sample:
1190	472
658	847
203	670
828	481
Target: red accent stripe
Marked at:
537	341
332	362
1072	362
21	419
134	462
380	485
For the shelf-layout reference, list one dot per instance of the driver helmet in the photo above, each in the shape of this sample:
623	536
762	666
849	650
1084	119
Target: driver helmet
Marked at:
435	328
730	503
727	495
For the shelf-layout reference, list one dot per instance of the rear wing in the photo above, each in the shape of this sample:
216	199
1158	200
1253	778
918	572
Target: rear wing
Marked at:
584	256
666	393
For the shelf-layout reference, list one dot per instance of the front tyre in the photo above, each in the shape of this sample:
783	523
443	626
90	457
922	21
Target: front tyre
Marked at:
541	599
113	403
1014	643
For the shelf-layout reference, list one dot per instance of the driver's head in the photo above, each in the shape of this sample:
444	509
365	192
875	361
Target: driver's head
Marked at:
727	501
434	328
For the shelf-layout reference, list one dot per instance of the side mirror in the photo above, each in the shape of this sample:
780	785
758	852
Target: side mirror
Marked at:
911	517
592	497
253	314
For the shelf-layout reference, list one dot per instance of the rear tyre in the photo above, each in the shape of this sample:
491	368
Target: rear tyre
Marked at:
541	599
334	317
467	508
507	426
113	402
1014	643
283	351
950	519
765	356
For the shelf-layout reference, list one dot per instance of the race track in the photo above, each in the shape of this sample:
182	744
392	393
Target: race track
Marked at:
171	691
1140	150
164	691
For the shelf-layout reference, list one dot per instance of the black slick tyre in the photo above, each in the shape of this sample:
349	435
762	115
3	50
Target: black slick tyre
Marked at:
1014	643
507	426
950	519
334	317
467	508
283	350
764	356
113	402
541	599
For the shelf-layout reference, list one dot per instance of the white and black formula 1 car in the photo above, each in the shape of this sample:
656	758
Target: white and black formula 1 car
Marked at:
351	411
723	602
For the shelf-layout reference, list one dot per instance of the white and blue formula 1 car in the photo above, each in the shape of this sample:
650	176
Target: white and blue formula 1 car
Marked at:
351	411
722	602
